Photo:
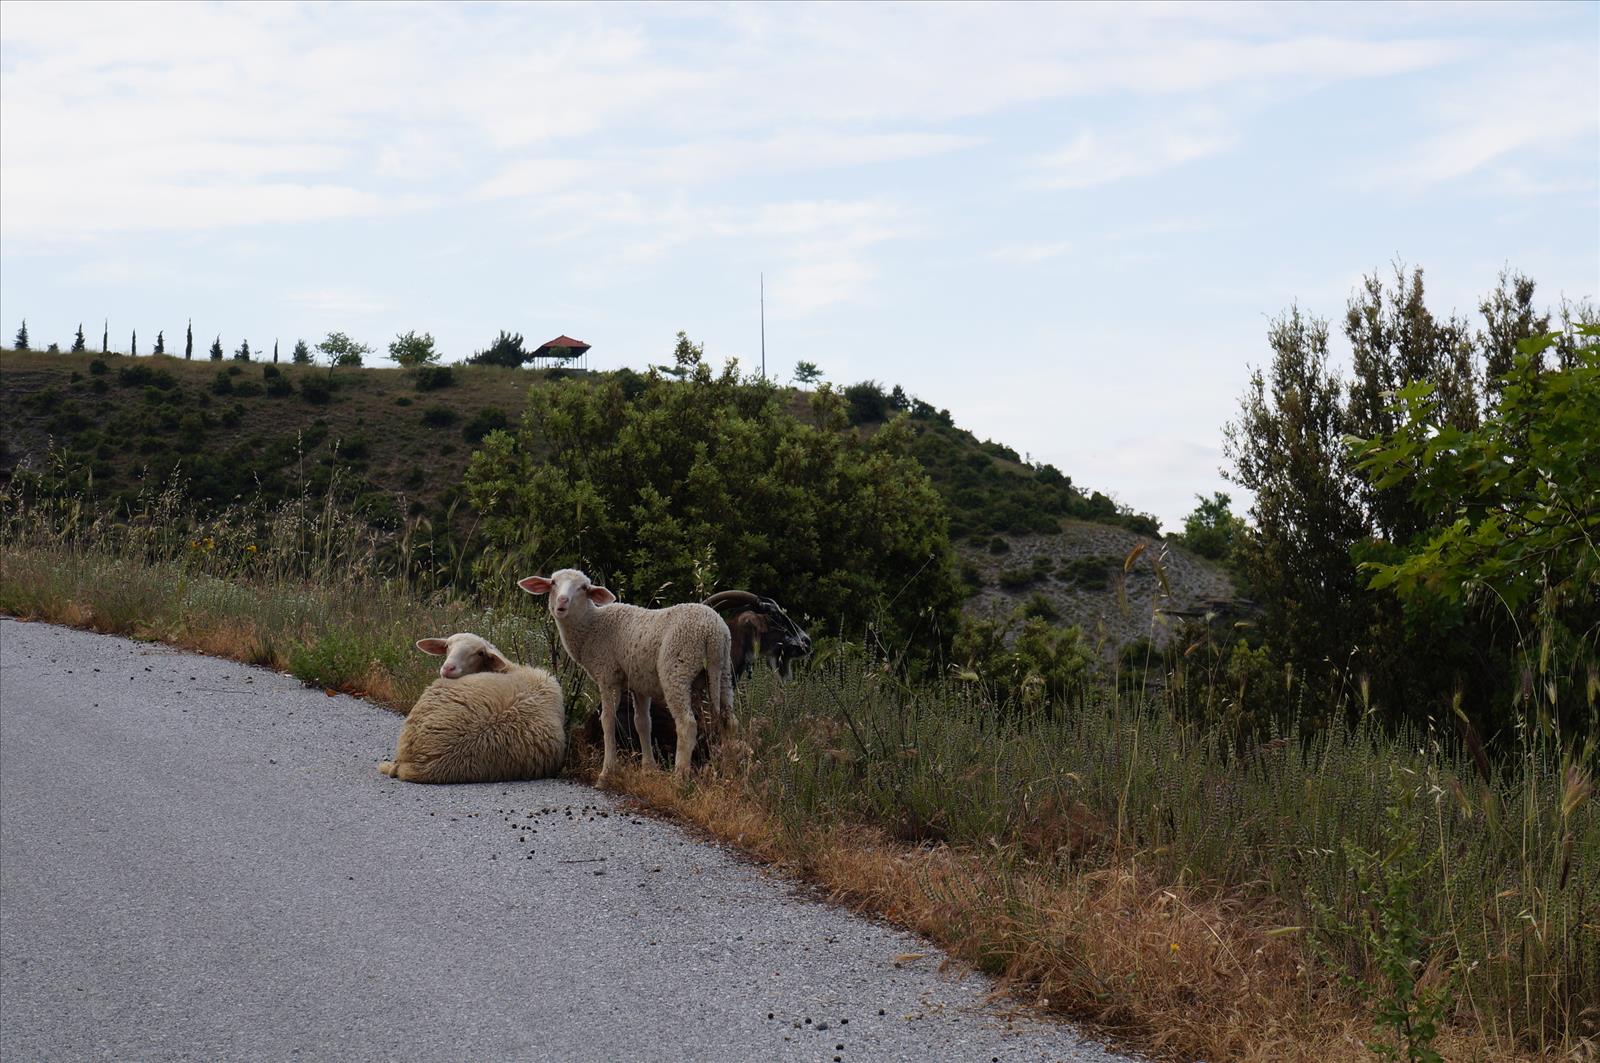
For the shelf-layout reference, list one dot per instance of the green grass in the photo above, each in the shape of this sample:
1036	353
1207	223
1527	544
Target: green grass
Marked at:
1505	856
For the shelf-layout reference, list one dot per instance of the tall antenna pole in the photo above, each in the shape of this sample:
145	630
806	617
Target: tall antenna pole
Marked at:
763	326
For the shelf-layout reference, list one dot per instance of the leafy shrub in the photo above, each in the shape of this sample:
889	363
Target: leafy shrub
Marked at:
223	384
998	545
316	389
279	386
869	404
1016	578
439	417
403	400
98	367
433	377
141	375
1039	607
483	422
270	371
1087	573
247	389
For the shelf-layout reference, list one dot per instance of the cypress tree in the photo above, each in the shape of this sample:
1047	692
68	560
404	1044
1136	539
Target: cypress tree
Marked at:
188	339
133	345
216	349
274	352
243	353
161	343
105	338
77	342
21	343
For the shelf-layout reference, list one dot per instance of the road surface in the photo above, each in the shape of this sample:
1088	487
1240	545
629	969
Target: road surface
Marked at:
199	861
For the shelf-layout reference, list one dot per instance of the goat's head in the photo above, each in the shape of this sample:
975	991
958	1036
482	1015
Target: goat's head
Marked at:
785	641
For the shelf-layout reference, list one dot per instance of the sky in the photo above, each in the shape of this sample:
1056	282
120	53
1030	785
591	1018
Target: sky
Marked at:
1069	225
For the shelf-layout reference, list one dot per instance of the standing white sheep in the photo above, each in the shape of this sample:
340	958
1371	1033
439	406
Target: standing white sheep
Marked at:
655	653
484	720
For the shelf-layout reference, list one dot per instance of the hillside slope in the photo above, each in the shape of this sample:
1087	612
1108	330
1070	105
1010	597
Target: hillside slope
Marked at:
397	443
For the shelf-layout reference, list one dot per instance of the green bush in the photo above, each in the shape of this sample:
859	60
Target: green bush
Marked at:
1088	573
480	424
315	389
98	367
439	417
433	377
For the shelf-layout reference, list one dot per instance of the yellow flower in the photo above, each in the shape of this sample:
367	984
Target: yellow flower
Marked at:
251	548
1173	946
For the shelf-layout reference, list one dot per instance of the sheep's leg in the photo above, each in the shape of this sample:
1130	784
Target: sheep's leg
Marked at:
681	701
641	727
609	698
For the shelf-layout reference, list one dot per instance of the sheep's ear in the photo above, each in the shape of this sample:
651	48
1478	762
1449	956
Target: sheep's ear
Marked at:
437	647
535	585
601	596
497	663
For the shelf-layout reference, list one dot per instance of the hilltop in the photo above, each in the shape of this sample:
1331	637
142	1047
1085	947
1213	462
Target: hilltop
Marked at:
396	442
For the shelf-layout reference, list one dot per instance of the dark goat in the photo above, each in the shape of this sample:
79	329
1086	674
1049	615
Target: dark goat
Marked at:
761	627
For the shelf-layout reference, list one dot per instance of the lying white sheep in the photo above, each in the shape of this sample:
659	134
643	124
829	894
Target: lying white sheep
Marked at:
655	653
484	720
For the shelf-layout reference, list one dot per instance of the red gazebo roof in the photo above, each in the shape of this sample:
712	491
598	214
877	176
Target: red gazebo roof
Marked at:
564	342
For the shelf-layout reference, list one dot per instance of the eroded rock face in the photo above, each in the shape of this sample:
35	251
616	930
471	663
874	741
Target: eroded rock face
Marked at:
1063	568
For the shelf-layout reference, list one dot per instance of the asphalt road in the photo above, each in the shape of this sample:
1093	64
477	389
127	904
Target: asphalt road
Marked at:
198	860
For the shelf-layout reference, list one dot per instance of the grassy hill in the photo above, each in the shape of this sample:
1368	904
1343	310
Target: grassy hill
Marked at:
397	442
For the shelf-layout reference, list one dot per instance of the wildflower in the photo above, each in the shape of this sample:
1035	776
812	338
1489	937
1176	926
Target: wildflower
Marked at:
1174	947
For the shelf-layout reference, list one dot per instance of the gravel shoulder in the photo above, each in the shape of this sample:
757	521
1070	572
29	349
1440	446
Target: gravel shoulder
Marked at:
198	860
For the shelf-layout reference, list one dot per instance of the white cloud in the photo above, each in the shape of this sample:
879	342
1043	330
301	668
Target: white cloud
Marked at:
1532	105
1097	158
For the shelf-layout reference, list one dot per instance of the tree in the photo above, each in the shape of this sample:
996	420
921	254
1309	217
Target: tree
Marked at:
161	343
807	372
243	353
411	350
343	351
274	351
301	355
216	349
77	341
133	345
1436	437
506	350
21	342
105	338
1212	531
1514	506
1287	449
684	488
188	340
687	354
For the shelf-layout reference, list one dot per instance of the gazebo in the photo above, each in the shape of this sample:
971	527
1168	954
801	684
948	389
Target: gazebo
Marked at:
563	350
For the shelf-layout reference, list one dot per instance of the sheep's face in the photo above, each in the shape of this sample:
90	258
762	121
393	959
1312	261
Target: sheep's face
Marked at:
465	654
571	592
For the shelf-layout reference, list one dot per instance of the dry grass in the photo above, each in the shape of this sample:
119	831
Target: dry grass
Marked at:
1173	971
